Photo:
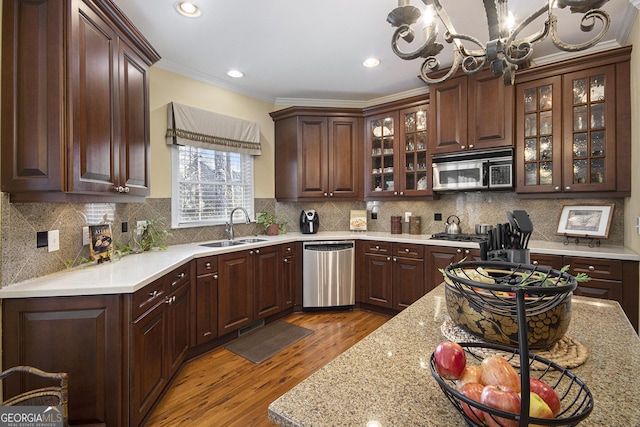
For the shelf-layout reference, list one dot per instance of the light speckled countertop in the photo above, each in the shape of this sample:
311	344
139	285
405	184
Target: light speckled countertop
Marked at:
386	376
133	272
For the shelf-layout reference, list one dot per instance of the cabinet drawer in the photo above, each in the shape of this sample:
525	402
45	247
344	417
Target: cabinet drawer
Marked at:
177	278
408	250
147	297
607	269
206	265
377	247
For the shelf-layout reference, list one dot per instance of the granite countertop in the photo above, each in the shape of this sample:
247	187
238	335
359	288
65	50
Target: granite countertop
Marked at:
385	378
133	272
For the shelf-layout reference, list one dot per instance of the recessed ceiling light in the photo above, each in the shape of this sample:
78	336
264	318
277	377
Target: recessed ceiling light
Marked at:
371	62
236	74
188	9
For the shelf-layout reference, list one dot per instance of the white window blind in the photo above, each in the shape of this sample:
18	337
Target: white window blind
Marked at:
208	184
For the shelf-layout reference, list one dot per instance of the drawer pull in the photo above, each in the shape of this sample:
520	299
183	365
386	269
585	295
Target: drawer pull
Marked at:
170	300
459	251
388	258
466	251
215	276
207	265
377	248
592	268
535	262
154	294
395	259
407	250
286	260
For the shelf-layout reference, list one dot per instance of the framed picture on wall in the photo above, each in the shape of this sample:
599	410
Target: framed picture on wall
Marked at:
585	220
101	245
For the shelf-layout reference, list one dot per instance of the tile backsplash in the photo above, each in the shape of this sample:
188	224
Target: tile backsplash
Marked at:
21	260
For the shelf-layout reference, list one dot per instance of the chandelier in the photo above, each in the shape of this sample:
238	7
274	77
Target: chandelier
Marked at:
504	53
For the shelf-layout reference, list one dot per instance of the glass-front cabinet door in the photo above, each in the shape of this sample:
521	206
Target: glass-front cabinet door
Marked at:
415	179
539	135
382	155
589	130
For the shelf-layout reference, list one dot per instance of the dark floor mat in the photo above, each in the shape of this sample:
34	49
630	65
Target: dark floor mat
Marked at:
262	343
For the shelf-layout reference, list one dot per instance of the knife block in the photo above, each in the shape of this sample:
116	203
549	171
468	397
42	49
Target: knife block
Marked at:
518	256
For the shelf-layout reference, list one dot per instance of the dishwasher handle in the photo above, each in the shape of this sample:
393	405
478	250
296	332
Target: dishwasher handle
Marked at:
329	246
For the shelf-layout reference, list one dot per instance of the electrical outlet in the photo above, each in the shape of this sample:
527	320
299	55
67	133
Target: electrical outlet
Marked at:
407	216
125	226
140	226
54	240
85	236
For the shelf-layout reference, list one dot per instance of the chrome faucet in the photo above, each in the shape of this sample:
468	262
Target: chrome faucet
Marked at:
229	225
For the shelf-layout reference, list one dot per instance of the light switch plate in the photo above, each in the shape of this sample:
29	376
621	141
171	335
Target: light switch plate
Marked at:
85	236
407	216
54	240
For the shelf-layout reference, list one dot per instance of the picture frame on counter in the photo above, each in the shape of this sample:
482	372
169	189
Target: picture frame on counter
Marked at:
585	220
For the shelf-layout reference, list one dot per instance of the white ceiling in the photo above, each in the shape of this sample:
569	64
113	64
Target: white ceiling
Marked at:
310	52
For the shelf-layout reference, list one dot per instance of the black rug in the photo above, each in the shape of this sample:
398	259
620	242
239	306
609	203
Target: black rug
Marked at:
260	344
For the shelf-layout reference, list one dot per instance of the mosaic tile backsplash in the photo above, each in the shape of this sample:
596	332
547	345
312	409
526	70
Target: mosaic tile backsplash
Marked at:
22	260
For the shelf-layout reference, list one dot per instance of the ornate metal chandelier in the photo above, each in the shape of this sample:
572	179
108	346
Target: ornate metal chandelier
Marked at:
504	53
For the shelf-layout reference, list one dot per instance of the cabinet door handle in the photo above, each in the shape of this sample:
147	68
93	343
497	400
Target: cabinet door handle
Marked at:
325	194
257	251
388	258
395	193
463	147
170	300
330	194
556	188
395	259
470	145
153	294
250	252
288	248
592	268
567	188
215	276
402	193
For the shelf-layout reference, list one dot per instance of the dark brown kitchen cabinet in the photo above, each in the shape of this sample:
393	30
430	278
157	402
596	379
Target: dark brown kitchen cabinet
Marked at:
235	291
205	300
470	113
318	154
439	257
78	335
76	108
290	275
573	127
392	274
267	281
397	159
160	332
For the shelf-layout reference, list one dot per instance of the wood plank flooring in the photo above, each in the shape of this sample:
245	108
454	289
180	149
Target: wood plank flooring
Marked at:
221	388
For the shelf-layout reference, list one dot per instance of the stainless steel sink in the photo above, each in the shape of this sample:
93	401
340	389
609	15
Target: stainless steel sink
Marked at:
252	240
224	244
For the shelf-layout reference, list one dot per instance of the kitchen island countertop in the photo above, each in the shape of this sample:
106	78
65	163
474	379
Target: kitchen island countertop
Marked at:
385	379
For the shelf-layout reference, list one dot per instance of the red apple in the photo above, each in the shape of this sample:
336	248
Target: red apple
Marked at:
547	393
503	399
450	360
538	408
470	374
497	371
472	391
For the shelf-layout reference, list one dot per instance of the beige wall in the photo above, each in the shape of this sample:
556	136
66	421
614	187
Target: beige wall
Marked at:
632	205
167	87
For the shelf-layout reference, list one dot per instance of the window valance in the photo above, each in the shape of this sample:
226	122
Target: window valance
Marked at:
205	129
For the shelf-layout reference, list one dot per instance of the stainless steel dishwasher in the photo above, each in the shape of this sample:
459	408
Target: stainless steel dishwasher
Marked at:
328	274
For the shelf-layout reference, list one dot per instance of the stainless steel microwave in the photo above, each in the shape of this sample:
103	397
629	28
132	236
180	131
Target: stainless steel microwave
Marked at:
475	170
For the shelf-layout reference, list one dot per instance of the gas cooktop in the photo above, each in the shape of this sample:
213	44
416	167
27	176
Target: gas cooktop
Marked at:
461	237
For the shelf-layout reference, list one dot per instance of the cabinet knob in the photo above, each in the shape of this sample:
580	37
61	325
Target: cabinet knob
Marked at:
459	251
325	194
126	189
395	259
463	147
215	276
286	260
250	252
388	258
592	268
567	188
121	189
330	194
395	193
402	193
377	247
207	265
470	145
288	248
257	251
535	262
556	188
466	251
406	250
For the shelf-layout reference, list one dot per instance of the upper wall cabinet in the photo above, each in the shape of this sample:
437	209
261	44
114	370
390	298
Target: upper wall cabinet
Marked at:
75	104
573	127
470	113
398	162
318	154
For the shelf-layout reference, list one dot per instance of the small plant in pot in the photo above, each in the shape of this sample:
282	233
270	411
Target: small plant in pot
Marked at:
272	224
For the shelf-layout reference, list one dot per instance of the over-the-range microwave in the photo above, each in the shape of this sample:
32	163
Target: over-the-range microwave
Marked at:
473	170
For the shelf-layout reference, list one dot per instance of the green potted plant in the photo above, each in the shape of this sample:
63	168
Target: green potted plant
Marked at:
272	224
153	235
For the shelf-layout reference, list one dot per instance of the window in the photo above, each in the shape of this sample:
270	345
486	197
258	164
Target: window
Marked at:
208	184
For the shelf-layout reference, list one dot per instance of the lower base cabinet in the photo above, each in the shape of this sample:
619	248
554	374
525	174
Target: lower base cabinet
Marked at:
78	335
439	257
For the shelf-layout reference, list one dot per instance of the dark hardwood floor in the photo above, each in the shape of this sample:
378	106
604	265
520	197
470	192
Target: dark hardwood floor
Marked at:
223	389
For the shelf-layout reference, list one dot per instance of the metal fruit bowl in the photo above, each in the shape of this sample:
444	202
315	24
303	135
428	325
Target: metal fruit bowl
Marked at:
575	397
482	298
